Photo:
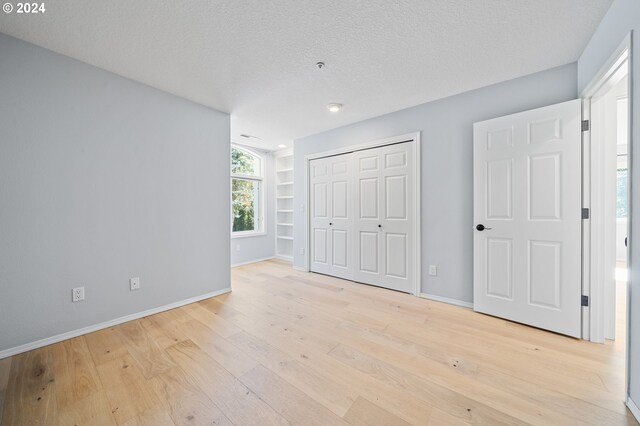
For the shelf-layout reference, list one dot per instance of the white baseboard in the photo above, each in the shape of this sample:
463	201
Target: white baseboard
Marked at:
90	329
446	300
633	408
285	258
253	261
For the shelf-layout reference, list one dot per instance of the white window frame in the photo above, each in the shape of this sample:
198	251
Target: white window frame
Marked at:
260	178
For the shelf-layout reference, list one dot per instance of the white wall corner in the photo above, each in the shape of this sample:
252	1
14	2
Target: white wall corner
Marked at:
447	300
248	262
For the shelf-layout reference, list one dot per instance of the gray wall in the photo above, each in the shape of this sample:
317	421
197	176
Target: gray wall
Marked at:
103	179
622	17
447	184
249	249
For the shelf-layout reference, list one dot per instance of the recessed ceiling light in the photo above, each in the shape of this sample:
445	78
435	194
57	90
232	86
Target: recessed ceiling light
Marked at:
282	145
334	107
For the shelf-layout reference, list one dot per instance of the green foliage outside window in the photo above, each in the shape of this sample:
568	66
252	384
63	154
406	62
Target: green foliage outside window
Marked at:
244	196
245	193
243	163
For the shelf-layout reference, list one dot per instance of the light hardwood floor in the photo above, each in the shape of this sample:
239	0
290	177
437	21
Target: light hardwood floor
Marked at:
289	347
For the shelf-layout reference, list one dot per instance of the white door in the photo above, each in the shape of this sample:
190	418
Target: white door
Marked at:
384	221
331	217
527	197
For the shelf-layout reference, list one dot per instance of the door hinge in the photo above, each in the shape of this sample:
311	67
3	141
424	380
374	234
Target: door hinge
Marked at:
585	300
585	125
585	213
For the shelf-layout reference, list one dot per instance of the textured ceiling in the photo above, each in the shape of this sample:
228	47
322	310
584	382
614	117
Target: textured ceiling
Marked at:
256	58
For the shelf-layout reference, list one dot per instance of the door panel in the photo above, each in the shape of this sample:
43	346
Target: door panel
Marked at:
368	162
369	198
545	191
384	180
395	159
499	138
499	189
527	195
331	216
319	169
396	197
341	248
320	246
369	258
339	167
500	267
544	274
396	255
340	200
320	200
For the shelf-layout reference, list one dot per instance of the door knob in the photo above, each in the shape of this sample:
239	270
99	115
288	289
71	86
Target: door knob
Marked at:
481	227
379	226
330	223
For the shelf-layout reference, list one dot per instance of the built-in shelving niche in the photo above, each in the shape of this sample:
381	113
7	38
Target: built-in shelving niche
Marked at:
284	205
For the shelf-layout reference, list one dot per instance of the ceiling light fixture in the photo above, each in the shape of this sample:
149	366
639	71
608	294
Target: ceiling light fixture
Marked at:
246	136
282	145
334	107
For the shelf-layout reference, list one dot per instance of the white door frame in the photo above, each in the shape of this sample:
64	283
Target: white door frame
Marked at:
593	316
414	138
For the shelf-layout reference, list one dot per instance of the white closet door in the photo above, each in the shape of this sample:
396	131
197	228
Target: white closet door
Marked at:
331	216
384	217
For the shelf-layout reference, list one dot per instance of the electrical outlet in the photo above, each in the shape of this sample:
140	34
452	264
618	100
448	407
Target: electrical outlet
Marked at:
134	283
302	250
77	294
237	247
433	270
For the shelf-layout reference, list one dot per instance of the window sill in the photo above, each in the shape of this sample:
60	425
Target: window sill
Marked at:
247	234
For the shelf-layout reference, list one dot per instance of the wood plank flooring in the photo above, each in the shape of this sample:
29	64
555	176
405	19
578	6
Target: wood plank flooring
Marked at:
288	347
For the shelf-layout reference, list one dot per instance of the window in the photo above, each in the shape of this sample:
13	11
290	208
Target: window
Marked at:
246	192
622	208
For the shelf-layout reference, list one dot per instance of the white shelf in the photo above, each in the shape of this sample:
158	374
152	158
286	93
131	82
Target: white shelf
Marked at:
284	225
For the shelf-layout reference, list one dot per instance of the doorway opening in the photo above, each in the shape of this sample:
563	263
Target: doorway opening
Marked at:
607	165
609	112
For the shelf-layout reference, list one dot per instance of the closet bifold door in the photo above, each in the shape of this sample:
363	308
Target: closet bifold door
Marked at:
331	215
383	225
